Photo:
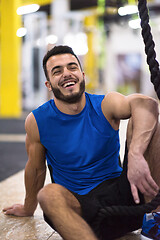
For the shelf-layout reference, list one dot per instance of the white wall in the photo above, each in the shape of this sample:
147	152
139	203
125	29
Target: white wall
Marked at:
121	40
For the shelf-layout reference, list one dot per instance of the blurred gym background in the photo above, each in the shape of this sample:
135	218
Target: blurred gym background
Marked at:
106	36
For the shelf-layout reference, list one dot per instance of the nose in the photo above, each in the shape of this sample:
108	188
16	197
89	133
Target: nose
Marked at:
66	72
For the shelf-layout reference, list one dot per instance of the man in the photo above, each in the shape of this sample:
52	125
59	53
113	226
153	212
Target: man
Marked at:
78	134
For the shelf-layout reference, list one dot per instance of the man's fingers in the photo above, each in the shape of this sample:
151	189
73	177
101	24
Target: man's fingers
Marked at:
148	190
7	208
148	187
9	212
17	210
135	193
153	184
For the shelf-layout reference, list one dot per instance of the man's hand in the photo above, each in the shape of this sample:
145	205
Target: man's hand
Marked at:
140	177
17	210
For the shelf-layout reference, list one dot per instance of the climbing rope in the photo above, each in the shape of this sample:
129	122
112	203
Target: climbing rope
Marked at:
149	45
131	211
138	210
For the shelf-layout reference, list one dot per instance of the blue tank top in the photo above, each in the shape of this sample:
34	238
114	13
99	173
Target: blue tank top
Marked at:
82	149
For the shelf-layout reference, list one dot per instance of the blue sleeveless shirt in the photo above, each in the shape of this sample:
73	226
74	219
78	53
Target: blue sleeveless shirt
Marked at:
82	149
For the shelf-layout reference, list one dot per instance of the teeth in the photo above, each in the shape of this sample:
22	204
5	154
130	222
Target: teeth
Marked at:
68	84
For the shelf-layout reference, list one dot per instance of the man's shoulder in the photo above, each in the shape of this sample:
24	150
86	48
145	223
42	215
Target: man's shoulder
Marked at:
40	114
30	122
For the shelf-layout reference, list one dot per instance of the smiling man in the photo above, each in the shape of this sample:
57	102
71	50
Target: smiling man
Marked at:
70	88
78	134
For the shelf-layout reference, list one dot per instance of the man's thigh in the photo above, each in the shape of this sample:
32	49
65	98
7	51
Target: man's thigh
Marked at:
110	193
114	192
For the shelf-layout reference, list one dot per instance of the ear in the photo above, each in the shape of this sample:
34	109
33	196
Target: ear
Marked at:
83	74
48	85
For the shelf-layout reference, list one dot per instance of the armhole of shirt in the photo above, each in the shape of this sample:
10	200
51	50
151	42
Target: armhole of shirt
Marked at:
100	113
36	118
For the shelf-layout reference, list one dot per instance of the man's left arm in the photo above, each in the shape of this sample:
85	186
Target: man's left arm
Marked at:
144	114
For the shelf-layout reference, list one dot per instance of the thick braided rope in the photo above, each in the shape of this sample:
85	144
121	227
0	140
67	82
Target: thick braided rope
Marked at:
115	211
149	45
137	210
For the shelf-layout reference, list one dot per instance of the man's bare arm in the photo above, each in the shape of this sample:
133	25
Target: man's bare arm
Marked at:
144	114
35	171
144	120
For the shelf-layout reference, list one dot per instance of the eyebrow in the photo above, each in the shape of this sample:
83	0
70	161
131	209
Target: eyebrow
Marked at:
73	63
52	70
69	64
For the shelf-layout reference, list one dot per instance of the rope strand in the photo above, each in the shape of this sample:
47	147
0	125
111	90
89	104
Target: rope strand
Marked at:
136	211
149	45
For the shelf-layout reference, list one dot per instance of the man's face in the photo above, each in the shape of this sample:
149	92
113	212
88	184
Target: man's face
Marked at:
66	78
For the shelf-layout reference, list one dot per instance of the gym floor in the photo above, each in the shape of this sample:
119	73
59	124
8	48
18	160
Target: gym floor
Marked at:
13	158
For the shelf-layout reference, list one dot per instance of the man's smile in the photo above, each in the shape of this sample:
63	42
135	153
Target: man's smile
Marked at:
69	83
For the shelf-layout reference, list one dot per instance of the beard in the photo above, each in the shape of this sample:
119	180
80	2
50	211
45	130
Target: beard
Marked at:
73	98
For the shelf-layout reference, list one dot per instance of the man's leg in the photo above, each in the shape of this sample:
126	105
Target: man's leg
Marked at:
64	211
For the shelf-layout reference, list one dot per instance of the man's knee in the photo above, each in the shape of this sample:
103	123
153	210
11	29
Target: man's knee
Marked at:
56	195
51	192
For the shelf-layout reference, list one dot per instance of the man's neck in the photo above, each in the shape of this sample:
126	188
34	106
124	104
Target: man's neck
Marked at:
71	108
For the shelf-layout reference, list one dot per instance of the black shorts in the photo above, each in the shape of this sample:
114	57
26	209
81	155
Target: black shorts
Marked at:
110	192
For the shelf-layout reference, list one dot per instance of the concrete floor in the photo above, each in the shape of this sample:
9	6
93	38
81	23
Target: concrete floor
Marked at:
12	191
27	228
21	228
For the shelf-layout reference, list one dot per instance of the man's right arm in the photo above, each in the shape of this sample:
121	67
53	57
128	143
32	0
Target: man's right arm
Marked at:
35	171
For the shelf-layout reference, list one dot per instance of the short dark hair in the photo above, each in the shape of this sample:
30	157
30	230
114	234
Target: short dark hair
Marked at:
61	49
